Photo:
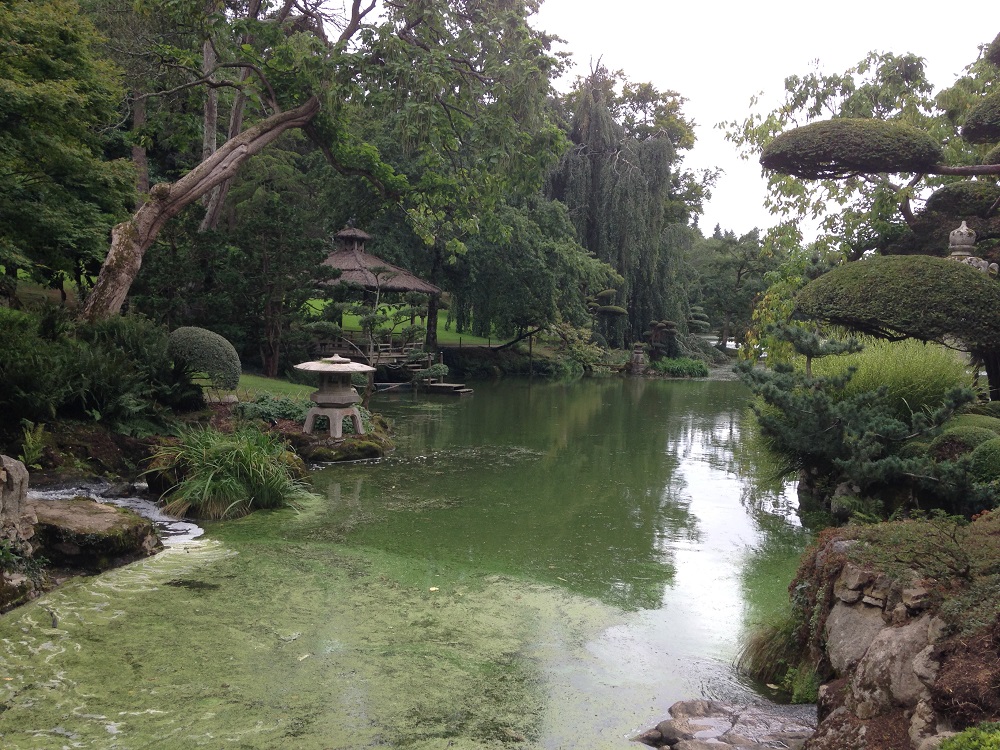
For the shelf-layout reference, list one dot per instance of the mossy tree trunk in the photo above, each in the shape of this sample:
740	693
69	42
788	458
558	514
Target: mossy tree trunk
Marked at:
131	239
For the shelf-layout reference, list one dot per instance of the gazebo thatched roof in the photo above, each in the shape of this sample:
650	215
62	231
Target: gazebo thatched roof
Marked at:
362	269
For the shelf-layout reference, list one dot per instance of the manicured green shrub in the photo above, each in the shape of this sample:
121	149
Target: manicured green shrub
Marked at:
916	376
222	475
682	367
974	420
145	346
118	372
206	352
34	372
985	736
986	461
846	146
958	441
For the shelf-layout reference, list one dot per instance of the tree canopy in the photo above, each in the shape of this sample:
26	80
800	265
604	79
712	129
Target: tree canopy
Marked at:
860	151
628	195
930	299
59	195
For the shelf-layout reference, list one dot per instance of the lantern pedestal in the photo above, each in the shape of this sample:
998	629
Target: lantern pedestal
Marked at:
336	415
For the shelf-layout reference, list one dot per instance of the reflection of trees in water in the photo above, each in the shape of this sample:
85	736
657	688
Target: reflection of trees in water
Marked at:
574	484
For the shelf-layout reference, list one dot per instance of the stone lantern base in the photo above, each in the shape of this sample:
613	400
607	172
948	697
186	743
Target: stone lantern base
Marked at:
335	415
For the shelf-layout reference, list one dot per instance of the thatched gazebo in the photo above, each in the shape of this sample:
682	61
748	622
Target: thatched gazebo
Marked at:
360	268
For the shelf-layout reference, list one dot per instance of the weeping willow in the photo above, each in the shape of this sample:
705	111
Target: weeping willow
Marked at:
621	194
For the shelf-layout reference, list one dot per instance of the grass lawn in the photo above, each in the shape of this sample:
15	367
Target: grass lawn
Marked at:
254	384
445	337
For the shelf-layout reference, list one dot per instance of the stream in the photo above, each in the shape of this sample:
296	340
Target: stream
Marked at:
540	565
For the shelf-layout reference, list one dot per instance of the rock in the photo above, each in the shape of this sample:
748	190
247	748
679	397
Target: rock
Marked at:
854	577
653	738
673	731
933	743
702	724
850	630
82	533
16	517
915	598
925	667
923	723
700	709
884	677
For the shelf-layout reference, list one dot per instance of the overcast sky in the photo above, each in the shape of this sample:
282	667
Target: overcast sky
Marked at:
719	54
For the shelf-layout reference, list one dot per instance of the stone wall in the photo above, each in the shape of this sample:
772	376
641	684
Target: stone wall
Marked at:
880	644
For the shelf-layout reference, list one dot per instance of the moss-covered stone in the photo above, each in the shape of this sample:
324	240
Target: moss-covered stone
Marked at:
958	441
81	533
982	421
982	124
846	146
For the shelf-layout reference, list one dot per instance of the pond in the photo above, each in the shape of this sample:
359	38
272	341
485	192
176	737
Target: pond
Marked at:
539	565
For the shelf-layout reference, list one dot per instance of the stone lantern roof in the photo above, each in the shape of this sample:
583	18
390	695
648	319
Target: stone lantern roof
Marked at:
334	364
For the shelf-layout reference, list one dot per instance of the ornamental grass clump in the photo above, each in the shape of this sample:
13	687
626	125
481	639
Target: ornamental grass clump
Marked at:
917	376
219	475
681	367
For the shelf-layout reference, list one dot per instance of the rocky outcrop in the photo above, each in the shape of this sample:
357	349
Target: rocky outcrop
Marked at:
880	644
83	534
16	516
711	725
17	521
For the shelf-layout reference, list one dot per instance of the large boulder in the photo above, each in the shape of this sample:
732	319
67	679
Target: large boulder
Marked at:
83	534
16	516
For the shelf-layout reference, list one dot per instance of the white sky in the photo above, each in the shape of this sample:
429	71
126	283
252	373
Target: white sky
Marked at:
719	54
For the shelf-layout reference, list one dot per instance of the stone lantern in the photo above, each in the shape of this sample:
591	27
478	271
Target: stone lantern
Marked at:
961	244
336	397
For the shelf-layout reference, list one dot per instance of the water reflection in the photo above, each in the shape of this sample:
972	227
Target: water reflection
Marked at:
624	490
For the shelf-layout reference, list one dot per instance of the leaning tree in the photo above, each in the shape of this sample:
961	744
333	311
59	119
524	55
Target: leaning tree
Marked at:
452	73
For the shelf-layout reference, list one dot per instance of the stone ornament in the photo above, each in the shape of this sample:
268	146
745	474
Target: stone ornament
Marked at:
961	243
336	398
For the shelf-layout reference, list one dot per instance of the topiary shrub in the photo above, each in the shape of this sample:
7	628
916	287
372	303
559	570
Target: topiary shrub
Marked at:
982	124
990	409
959	441
202	350
965	198
893	296
985	466
847	146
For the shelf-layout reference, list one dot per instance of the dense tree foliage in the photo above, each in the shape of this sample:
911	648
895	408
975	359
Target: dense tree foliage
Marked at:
731	276
459	86
860	152
59	196
628	196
